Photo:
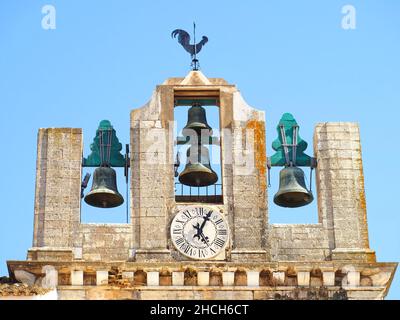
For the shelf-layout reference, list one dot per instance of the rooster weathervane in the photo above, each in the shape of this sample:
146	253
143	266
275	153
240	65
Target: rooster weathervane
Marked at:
193	49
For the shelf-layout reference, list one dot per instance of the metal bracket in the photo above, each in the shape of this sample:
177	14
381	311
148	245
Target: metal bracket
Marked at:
105	148
289	146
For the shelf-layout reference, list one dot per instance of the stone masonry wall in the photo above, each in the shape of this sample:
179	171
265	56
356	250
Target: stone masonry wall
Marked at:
298	242
152	192
106	242
249	186
340	186
58	180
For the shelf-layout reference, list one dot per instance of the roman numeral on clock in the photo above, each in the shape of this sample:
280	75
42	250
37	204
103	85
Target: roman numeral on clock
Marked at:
179	241
187	214
188	250
219	242
202	253
177	231
218	221
222	232
199	211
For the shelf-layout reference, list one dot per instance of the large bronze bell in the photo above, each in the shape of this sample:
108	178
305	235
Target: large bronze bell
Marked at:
197	119
293	192
198	172
104	192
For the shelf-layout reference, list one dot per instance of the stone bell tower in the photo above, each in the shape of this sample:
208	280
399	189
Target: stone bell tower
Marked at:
243	175
213	246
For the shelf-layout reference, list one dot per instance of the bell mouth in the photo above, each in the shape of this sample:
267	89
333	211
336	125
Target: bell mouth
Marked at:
104	198
293	199
198	175
198	126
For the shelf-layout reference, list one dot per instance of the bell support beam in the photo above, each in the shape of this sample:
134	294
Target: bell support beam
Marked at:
211	141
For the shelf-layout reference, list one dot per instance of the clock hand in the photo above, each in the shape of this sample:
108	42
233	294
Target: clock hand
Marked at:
197	227
200	230
204	239
206	218
200	234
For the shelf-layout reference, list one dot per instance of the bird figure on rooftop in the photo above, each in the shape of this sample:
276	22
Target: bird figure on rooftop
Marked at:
193	49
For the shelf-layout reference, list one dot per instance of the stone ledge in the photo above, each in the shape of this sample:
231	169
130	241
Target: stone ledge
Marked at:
214	292
165	275
50	253
351	255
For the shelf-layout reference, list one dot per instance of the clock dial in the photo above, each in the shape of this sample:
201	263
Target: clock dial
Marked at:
199	232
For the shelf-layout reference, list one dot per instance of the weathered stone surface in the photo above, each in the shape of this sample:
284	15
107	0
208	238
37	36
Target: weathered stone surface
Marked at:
101	277
22	291
50	281
203	278
381	279
329	278
342	210
25	277
228	278
253	278
58	180
153	278
279	278
303	279
128	275
77	277
178	278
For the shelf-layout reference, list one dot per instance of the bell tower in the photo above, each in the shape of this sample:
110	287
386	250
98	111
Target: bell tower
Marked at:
243	169
198	227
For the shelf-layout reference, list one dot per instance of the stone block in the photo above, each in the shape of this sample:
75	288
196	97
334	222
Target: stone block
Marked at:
303	278
153	278
380	279
341	183
77	278
77	253
128	275
228	278
50	280
253	278
279	278
178	278
353	278
101	278
25	277
203	278
72	295
328	278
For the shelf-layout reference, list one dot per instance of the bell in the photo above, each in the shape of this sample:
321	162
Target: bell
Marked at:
197	119
198	172
292	192
104	192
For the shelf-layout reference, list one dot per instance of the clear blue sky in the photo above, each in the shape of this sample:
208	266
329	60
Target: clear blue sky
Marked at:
105	58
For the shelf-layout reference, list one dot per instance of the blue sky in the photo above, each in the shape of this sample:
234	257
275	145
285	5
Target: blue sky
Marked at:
105	57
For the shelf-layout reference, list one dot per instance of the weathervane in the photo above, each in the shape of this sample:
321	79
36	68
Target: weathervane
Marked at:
193	49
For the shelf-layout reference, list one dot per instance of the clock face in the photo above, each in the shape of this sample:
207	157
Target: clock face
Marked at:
199	232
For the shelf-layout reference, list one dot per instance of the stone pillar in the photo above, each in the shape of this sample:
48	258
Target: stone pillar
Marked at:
340	187
249	184
58	187
152	185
